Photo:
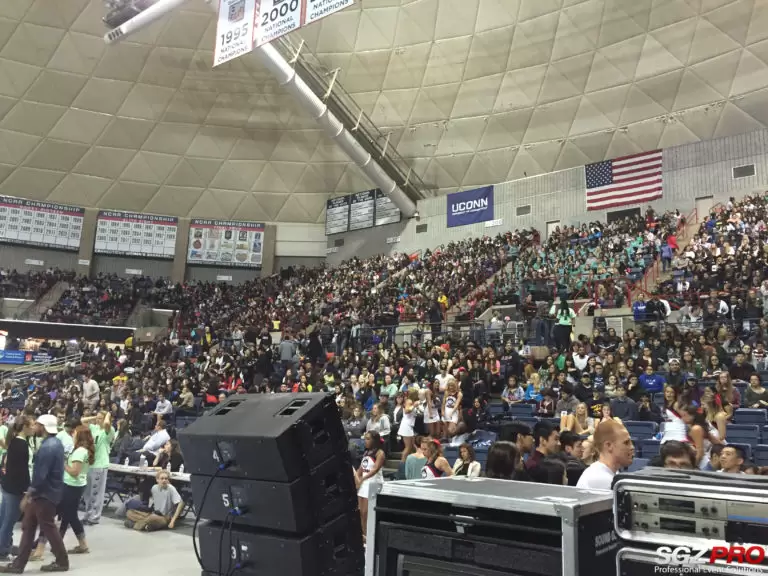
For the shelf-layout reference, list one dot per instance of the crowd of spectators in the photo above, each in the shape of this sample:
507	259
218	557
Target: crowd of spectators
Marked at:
451	273
678	387
724	265
106	299
30	285
593	260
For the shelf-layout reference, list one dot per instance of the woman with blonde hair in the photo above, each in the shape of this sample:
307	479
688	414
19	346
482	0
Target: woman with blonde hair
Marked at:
579	422
408	423
451	408
432	408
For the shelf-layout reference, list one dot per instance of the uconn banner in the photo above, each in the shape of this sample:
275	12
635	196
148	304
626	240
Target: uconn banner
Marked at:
470	207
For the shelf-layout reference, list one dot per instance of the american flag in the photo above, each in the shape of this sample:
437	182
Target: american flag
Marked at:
622	181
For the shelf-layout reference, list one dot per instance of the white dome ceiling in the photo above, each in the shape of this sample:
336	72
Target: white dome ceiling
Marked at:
474	92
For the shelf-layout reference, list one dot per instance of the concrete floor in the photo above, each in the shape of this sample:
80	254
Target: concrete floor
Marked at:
117	551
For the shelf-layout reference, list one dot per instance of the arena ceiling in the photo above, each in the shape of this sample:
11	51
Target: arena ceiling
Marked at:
473	91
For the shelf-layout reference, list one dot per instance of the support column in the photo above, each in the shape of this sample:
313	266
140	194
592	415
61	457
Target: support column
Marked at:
87	241
180	255
268	256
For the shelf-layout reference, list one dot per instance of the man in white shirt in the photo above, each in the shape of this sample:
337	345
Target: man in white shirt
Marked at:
164	406
615	450
153	443
91	393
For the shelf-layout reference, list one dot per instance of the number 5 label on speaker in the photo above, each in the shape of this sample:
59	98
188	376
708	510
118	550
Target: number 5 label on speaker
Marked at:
276	18
225	500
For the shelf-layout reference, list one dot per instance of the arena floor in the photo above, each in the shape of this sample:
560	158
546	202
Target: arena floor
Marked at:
118	551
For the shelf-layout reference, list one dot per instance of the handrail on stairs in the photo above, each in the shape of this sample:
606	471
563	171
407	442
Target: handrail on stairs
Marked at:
40	368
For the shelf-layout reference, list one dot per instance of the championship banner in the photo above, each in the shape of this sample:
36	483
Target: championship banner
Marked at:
470	207
234	30
247	24
44	224
226	243
134	234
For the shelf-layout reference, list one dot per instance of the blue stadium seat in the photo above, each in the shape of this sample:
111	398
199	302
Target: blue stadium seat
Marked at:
761	454
524	410
451	453
641	429
658	399
751	416
496	409
638	464
743	434
746	447
648	447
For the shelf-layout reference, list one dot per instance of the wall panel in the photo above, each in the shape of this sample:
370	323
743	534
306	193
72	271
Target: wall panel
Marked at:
308	261
12	257
209	274
103	264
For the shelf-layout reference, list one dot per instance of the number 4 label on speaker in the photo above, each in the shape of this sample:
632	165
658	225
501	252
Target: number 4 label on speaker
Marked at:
234	30
277	18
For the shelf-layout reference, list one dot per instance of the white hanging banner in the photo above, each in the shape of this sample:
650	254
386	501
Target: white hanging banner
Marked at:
234	30
276	18
317	9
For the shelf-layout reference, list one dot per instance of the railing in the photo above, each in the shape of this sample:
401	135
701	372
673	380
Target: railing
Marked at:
324	82
36	310
40	368
406	333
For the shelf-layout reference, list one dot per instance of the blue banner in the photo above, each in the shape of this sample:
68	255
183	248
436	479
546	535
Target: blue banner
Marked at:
470	207
12	356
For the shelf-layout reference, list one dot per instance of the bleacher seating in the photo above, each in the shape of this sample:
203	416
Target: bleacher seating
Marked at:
638	464
518	411
647	448
751	416
641	429
761	454
743	434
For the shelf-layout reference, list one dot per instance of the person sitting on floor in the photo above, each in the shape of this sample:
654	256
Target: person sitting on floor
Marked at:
160	514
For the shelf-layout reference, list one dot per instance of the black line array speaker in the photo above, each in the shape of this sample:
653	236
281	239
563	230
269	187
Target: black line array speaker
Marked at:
272	476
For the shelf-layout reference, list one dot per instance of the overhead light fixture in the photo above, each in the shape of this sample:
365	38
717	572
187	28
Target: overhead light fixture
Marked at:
129	17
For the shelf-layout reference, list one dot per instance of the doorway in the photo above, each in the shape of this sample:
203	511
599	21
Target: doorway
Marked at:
551	226
704	206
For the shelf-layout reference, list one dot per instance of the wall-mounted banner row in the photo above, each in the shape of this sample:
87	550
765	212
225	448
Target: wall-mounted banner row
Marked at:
247	24
359	211
228	243
470	206
40	223
133	234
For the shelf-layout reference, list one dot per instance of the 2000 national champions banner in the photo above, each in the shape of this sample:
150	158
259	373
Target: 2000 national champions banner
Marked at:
470	206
